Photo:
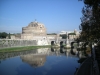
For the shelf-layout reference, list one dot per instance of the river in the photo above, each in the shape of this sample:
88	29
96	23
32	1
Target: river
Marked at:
43	61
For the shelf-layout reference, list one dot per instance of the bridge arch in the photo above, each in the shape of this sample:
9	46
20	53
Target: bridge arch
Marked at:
52	42
61	43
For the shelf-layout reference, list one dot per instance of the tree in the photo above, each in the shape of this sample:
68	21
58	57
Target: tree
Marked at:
3	35
90	21
64	36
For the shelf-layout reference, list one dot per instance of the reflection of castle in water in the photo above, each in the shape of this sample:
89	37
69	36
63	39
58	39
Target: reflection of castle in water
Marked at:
34	60
37	58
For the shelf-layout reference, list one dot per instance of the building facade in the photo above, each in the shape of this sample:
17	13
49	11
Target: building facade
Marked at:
71	34
33	30
37	31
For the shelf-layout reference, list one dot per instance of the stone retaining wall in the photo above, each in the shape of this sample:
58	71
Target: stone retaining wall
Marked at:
7	43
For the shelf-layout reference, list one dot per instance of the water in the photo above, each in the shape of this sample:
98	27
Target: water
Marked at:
44	61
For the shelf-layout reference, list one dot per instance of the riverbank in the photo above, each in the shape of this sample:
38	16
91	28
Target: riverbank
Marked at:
85	68
14	49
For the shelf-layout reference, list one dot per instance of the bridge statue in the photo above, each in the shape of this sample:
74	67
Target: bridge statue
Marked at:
57	39
67	40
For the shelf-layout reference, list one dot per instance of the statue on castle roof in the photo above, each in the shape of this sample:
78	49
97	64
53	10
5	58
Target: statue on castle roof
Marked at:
33	24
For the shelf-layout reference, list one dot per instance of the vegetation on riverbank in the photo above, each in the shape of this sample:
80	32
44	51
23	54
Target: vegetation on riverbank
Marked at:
14	49
90	22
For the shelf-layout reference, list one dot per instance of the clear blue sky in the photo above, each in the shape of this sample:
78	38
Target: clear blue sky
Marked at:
56	15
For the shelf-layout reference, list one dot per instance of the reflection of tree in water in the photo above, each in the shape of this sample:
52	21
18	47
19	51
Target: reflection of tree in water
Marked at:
81	60
34	60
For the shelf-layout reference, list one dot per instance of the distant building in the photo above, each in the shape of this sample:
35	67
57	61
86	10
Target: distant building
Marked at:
62	32
71	34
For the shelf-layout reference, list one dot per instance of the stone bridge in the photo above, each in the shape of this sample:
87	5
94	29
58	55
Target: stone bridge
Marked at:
60	41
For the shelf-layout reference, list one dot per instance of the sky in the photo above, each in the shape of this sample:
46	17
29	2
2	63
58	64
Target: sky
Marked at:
56	15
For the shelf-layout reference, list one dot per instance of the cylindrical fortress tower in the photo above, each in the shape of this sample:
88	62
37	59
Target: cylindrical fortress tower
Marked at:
33	29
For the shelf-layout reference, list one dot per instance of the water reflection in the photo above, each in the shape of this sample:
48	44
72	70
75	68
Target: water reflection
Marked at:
52	49
34	60
38	58
43	51
44	61
4	56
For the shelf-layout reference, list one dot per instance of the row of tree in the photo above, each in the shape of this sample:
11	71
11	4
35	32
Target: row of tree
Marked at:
4	35
90	21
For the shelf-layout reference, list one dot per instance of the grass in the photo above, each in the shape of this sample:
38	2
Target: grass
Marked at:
14	49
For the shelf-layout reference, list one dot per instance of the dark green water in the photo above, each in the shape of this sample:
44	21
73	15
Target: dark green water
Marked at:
43	61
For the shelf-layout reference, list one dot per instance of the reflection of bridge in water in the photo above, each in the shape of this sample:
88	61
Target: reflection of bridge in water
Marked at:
37	58
46	51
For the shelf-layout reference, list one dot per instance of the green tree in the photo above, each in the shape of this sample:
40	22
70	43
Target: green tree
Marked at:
90	21
64	36
3	35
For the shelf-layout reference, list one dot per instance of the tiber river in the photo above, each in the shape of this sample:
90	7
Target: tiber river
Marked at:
44	61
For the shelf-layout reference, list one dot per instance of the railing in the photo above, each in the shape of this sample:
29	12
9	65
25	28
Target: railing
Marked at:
95	68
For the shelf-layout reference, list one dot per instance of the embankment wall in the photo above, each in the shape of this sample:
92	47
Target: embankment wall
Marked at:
8	43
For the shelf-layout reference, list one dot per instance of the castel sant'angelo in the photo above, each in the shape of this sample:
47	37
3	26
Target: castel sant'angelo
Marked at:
32	30
37	31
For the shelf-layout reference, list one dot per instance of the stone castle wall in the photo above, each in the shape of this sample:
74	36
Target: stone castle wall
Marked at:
33	29
8	43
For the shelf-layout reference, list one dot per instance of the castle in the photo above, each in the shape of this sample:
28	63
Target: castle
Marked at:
35	34
34	31
37	31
